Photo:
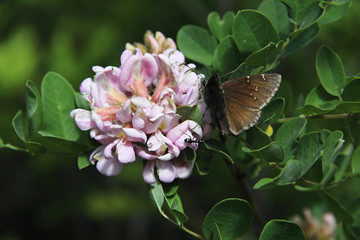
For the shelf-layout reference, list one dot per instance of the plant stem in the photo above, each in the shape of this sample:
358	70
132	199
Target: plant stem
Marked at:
182	226
325	116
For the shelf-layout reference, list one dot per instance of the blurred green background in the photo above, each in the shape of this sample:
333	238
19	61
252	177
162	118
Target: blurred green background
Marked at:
46	196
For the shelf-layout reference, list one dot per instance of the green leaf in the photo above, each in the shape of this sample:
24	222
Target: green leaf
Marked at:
231	217
277	13
33	109
282	230
271	112
253	31
332	147
340	212
349	234
346	108
264	183
301	39
170	189
1	143
257	138
311	110
286	92
158	196
83	161
330	71
355	162
334	12
190	113
17	125
81	102
264	56
299	8
176	208
197	44
352	78
220	28
227	55
287	135
351	91
289	174
312	15
58	101
272	153
319	97
219	148
309	150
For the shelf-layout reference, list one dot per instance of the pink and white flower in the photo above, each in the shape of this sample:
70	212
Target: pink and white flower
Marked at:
134	111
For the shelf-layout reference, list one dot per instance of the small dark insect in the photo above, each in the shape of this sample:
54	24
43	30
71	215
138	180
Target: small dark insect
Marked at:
189	140
236	104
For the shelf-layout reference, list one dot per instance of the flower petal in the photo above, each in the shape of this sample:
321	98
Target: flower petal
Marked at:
83	119
125	152
167	171
144	154
135	135
183	168
108	151
109	167
149	68
148	172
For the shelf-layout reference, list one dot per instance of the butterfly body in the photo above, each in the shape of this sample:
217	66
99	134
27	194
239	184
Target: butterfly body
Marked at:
236	104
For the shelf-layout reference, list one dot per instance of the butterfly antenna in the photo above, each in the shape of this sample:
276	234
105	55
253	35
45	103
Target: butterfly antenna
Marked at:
228	73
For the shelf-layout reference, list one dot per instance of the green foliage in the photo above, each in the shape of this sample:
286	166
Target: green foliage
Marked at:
253	31
330	71
197	44
282	230
228	219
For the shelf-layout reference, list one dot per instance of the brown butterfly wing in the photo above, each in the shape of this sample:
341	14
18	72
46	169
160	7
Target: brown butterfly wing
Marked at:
246	96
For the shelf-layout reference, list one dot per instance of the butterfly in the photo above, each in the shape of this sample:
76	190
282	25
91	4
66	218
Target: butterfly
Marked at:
236	104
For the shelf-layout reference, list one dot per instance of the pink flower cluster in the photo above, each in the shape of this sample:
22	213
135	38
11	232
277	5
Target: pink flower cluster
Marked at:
134	113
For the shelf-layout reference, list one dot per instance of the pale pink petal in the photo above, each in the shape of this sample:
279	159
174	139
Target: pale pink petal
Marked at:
135	135
108	151
144	154
149	68
127	70
96	154
183	168
138	122
109	167
148	172
124	114
154	144
125	55
167	171
170	121
104	139
141	102
83	119
167	157
85	86
125	152
97	69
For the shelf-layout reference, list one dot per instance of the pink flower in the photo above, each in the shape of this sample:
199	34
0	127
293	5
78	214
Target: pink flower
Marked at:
134	111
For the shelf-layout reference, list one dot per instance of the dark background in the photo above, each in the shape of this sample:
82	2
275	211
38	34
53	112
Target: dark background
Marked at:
46	196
